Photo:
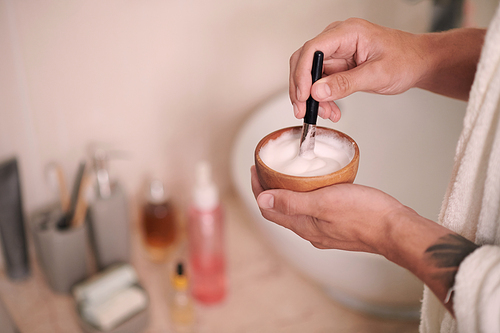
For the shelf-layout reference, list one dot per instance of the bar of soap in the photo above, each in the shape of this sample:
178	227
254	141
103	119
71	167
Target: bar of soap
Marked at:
116	309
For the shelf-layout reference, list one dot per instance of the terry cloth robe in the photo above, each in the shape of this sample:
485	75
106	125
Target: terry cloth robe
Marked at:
471	206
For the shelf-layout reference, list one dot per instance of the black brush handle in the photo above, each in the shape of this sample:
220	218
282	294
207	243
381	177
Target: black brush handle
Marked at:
316	74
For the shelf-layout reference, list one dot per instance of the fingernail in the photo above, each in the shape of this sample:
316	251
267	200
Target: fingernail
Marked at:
298	93
266	201
323	91
295	110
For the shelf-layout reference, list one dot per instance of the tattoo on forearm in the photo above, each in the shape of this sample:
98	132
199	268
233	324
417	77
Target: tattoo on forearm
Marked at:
447	254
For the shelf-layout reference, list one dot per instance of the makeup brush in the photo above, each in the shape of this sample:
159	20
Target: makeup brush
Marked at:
307	140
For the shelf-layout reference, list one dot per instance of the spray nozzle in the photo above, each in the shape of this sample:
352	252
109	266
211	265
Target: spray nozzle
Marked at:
203	174
206	194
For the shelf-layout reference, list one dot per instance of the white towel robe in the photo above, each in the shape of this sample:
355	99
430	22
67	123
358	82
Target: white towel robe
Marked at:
471	206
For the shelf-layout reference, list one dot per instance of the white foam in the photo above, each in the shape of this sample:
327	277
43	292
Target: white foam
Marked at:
331	153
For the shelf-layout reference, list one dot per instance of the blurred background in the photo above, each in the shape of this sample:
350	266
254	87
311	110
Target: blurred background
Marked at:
166	82
162	83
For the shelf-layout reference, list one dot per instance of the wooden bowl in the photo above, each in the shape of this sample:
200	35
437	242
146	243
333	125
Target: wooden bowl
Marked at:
272	179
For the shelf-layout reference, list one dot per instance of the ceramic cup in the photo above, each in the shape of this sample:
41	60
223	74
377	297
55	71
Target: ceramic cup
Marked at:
272	179
62	253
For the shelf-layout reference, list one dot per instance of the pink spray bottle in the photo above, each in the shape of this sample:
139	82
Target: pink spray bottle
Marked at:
206	239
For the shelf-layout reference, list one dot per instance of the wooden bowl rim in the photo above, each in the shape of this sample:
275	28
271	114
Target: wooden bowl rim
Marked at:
349	165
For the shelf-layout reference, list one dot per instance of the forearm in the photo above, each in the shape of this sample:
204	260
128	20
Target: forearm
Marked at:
430	251
451	61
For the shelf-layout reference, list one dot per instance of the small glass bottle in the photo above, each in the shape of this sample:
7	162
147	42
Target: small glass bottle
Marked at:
181	304
159	223
206	240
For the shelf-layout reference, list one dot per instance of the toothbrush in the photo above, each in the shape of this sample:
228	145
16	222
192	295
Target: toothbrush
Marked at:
66	220
307	140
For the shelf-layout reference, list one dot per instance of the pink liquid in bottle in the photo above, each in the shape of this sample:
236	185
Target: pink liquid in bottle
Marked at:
206	241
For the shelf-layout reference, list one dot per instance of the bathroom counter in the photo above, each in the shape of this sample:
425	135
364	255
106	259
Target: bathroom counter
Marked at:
265	294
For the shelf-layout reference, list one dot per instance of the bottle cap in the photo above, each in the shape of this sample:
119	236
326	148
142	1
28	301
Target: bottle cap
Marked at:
179	279
156	192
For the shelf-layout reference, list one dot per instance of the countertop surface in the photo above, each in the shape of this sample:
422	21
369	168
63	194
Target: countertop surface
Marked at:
265	294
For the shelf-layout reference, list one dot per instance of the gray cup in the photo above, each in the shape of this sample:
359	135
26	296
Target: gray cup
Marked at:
61	253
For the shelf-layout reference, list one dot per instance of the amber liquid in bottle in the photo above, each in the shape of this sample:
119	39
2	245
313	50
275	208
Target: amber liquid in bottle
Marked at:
159	224
181	305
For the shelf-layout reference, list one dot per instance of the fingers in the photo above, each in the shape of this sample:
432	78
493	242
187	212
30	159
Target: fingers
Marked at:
289	203
337	42
295	211
326	110
282	202
367	77
256	186
343	67
329	110
272	212
300	79
339	85
299	104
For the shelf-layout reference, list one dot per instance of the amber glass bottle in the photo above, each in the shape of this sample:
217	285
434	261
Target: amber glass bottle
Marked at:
159	223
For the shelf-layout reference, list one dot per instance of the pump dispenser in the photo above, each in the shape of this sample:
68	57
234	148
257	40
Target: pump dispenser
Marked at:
206	239
108	216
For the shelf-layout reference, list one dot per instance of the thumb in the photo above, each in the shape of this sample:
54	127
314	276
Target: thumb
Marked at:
343	84
287	202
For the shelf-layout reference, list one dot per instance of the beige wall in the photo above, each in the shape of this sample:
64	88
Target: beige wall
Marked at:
168	82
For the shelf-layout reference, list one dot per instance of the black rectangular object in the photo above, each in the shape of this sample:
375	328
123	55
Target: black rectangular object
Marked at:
12	229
